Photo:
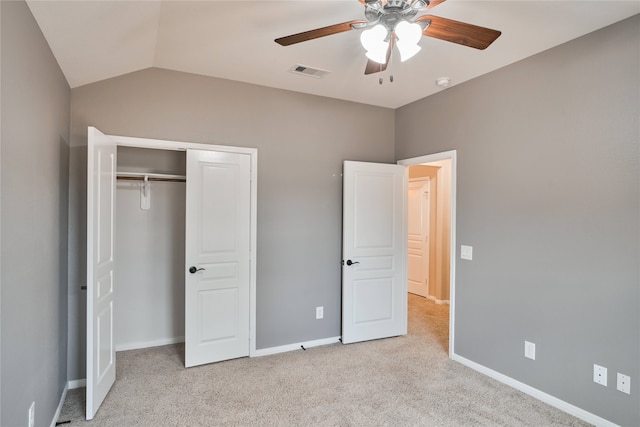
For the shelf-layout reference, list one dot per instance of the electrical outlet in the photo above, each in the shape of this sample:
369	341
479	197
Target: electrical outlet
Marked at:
319	312
600	375
530	350
624	383
32	414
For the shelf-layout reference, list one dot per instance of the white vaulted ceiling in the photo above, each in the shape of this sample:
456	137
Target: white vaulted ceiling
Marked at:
96	40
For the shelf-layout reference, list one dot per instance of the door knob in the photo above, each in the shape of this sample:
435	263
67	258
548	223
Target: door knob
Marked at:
194	270
349	262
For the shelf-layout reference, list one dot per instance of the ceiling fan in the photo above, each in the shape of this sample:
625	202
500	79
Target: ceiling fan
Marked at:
390	23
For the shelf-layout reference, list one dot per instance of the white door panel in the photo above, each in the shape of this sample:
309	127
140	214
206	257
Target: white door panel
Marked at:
217	302
418	237
101	185
374	246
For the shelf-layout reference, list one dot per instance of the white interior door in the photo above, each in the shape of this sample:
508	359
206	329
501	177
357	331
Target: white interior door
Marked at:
374	285
418	237
101	187
217	251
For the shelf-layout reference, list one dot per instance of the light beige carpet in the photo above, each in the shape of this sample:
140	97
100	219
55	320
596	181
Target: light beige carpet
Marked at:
403	381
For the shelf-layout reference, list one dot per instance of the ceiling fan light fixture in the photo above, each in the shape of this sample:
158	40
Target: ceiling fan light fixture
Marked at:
407	51
373	40
391	22
379	56
409	35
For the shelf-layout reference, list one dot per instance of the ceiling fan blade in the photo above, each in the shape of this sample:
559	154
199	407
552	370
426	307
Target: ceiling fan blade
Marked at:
375	67
459	32
317	33
434	3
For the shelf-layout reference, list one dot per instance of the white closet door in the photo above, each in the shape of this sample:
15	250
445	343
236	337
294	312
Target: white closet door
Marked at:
217	246
374	279
101	187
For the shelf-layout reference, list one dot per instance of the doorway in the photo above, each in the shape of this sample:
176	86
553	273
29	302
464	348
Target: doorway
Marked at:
439	170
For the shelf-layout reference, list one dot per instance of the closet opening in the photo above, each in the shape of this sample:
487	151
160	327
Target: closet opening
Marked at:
149	270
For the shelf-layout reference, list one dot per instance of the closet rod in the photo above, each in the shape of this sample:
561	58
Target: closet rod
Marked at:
139	176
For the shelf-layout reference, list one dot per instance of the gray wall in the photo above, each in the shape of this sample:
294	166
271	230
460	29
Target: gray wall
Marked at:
35	132
301	140
548	196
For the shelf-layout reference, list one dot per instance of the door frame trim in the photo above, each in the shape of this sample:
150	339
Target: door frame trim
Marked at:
446	155
159	144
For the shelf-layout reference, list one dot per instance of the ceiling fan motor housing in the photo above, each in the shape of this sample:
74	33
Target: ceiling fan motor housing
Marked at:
392	12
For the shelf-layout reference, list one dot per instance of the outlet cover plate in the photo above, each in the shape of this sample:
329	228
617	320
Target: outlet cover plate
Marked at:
624	383
600	375
319	312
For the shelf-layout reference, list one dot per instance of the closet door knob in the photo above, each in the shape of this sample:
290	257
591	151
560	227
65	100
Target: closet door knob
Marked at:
194	270
349	262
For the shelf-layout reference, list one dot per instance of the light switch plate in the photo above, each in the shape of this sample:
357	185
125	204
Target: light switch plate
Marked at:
529	350
466	252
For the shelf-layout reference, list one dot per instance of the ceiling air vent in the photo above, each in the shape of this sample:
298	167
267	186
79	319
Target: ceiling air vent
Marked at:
309	71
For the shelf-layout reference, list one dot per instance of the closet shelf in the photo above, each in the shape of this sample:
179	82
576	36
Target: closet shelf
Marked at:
140	176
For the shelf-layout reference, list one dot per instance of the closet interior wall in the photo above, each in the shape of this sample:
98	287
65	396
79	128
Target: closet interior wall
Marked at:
149	251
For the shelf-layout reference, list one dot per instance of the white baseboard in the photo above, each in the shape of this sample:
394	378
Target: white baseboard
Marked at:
148	344
438	301
73	384
534	392
60	405
292	347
